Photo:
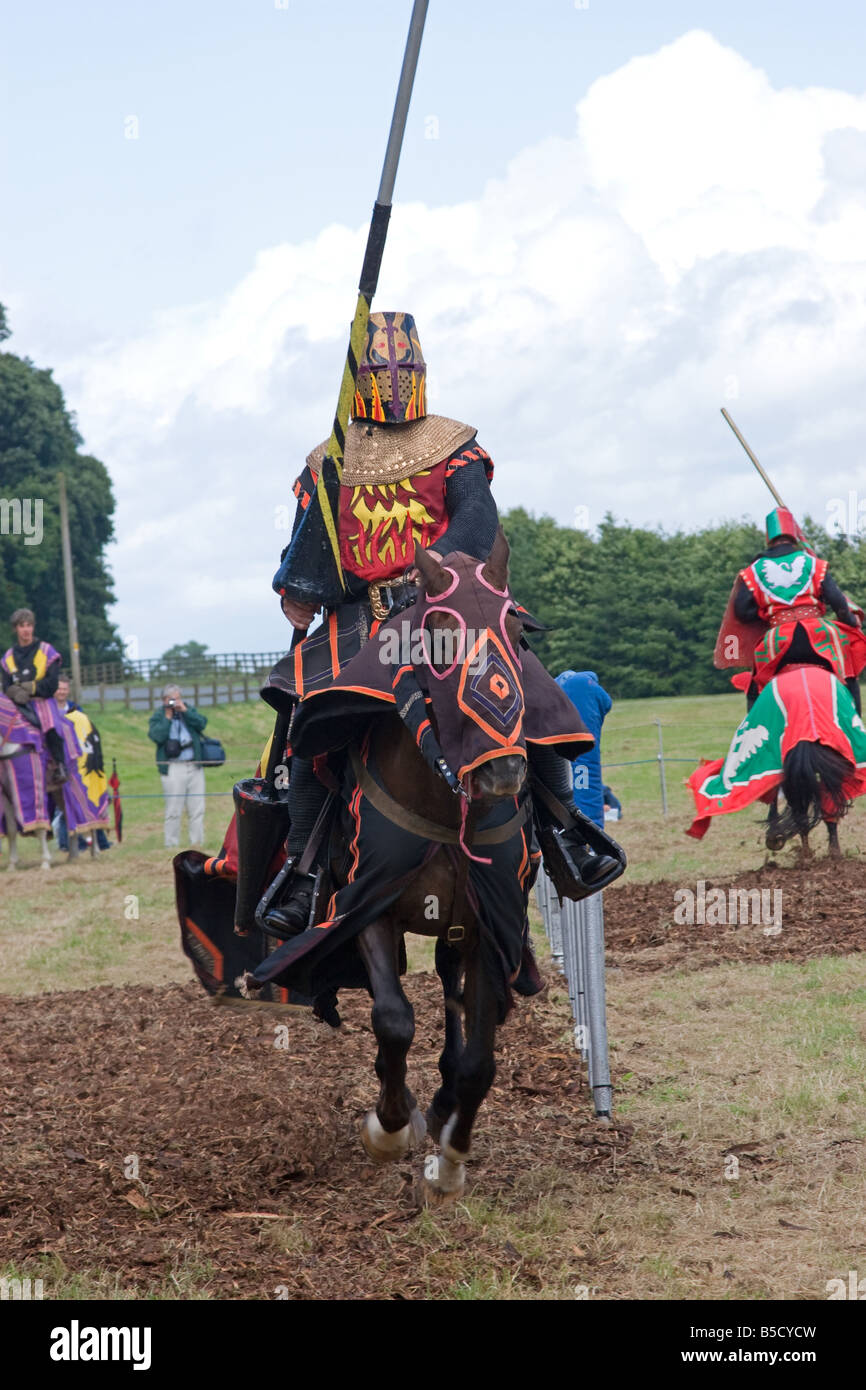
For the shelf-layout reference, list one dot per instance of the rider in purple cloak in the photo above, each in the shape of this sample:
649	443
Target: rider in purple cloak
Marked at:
30	670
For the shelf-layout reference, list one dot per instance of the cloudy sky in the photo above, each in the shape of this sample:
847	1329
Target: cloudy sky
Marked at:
609	221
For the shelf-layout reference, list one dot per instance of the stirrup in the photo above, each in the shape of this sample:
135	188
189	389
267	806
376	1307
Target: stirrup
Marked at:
557	851
268	913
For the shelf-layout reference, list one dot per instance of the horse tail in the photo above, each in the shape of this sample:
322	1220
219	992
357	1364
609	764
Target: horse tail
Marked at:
813	777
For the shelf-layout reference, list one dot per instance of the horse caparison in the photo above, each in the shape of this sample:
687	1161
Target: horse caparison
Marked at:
471	997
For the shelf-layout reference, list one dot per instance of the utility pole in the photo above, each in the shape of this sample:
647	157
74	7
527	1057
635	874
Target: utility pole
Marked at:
71	619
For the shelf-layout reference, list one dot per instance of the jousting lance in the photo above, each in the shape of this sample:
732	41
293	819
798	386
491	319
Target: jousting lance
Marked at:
752	457
311	571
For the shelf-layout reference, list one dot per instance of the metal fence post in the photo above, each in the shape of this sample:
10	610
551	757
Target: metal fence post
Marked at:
599	1054
661	758
577	929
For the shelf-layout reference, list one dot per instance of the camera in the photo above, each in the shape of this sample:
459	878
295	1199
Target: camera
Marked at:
172	703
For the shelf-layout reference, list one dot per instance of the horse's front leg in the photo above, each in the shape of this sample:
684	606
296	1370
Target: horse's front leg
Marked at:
11	829
773	840
390	1129
448	968
833	837
445	1175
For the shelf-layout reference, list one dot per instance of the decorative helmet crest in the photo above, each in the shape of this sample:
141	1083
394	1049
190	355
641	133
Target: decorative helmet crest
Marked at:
392	374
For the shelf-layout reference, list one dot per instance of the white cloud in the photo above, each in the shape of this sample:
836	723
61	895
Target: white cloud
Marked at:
700	241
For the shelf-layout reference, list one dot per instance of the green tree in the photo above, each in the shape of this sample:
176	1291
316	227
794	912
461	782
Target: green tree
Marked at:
38	439
184	661
640	607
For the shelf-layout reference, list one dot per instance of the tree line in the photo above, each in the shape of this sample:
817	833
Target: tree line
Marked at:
642	607
38	440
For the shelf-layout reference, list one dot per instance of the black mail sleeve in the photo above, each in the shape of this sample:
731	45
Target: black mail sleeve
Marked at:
472	515
832	595
745	604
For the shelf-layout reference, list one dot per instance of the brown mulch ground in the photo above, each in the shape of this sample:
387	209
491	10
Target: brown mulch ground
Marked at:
224	1122
231	1131
823	913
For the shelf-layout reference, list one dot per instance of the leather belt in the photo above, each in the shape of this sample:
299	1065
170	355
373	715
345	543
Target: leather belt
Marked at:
389	594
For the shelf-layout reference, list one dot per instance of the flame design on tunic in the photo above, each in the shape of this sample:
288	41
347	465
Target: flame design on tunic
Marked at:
391	517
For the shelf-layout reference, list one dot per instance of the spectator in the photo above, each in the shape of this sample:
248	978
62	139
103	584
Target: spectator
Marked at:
90	766
592	703
612	804
176	730
29	671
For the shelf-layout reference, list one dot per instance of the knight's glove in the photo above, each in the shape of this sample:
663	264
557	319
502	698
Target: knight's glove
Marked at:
20	693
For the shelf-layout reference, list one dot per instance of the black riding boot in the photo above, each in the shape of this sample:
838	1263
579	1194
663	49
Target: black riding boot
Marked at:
54	744
554	774
291	913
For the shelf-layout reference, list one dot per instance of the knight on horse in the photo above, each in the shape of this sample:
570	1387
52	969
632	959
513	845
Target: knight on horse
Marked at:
409	479
777	614
29	671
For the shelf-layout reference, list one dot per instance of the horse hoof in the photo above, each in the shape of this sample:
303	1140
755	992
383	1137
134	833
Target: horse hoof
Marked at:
381	1146
444	1181
45	866
774	843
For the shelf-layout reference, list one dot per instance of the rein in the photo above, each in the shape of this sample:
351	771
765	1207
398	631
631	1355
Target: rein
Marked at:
425	829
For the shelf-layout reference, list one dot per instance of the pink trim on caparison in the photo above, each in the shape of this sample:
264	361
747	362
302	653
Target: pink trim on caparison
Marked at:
503	593
446	593
461	647
505	610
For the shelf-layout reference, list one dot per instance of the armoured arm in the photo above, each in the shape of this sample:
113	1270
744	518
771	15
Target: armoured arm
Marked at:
300	615
472	515
745	604
832	595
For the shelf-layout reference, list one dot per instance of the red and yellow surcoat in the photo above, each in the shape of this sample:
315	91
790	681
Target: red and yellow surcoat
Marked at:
380	523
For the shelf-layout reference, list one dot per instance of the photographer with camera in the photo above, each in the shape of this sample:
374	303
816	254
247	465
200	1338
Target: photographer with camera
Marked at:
176	730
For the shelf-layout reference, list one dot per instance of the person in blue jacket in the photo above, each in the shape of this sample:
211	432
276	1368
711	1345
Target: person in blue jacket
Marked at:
592	703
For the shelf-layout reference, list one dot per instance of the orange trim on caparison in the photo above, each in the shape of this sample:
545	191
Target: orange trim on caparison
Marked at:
355	811
385	695
332	643
299	669
564	738
215	954
507	751
473	714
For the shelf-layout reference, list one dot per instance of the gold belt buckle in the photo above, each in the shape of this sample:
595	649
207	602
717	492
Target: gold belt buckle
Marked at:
376	605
